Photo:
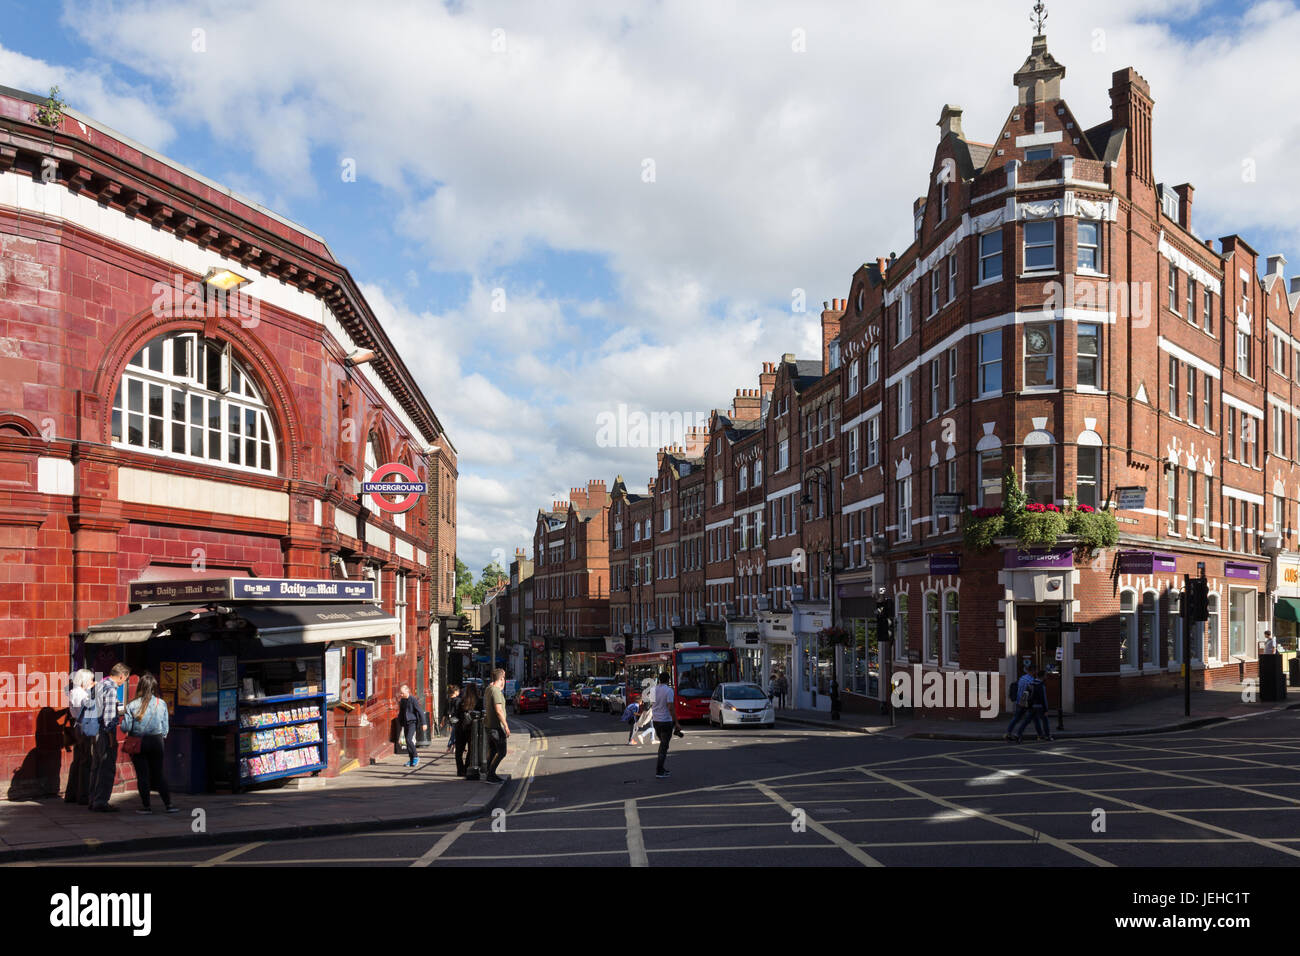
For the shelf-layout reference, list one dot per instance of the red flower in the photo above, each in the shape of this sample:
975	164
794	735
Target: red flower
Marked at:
987	512
1087	509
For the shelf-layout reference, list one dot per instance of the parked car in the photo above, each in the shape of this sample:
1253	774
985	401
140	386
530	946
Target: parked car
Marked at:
618	698
530	700
741	704
558	692
581	695
601	699
511	688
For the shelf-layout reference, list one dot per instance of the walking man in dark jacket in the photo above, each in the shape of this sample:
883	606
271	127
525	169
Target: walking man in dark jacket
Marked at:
1037	707
100	716
410	717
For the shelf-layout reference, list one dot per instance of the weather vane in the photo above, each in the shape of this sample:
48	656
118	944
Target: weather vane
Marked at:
1039	16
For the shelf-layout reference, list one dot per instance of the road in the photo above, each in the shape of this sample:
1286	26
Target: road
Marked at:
1227	795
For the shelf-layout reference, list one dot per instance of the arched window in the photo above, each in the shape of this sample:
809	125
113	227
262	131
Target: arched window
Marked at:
951	644
187	397
933	626
1128	629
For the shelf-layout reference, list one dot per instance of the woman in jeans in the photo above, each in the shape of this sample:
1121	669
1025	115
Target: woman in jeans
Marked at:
465	703
146	718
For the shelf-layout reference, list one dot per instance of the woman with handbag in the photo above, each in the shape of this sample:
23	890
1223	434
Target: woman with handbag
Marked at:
78	789
146	726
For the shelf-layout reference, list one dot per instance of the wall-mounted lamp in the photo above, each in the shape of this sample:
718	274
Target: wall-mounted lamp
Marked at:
224	280
360	357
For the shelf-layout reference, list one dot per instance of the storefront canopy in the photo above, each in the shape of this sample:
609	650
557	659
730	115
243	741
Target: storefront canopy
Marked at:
139	626
319	623
1287	609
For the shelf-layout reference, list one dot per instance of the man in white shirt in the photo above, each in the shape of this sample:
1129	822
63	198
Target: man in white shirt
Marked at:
1270	643
664	716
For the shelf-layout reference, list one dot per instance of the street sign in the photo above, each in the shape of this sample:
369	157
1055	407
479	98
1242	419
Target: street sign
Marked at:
1047	620
1131	498
947	505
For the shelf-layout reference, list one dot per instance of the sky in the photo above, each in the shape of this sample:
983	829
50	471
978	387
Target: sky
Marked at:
559	209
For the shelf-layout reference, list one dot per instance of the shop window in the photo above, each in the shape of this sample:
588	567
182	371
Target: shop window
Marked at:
951	644
933	626
1128	644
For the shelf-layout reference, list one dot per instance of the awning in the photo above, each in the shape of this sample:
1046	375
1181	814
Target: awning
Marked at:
1287	609
319	623
138	626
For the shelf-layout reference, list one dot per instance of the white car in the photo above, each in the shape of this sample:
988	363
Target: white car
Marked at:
739	705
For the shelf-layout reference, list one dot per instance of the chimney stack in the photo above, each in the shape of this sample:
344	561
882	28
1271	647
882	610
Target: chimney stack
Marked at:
950	121
1276	265
767	380
831	319
1184	193
1130	109
746	406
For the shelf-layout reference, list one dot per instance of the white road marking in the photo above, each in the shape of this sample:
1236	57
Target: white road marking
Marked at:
441	847
635	842
851	849
991	818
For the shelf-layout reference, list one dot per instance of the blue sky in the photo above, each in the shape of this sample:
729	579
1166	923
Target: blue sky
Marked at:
501	150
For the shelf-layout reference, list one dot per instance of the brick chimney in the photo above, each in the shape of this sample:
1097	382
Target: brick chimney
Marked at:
579	498
747	405
697	441
1184	193
597	494
1130	109
950	121
767	380
831	319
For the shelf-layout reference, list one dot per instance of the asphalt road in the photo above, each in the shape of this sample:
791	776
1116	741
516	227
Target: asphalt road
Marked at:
1227	795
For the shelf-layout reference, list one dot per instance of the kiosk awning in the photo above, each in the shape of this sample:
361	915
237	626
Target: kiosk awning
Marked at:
319	623
138	626
1287	609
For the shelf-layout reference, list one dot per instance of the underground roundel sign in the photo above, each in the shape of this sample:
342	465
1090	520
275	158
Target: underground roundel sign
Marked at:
376	488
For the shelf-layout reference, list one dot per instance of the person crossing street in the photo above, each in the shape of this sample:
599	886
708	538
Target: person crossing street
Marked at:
664	717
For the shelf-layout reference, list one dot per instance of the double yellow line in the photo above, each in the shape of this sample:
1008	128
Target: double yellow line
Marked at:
530	770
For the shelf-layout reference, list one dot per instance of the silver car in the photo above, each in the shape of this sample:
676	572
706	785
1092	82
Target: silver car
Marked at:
741	705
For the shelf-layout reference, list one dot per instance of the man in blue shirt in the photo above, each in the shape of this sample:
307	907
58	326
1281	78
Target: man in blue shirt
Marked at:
103	713
1021	686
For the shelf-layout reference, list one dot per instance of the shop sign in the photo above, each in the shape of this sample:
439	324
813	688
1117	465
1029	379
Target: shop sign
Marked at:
948	505
249	589
1248	572
945	563
1146	562
1039	559
1289	575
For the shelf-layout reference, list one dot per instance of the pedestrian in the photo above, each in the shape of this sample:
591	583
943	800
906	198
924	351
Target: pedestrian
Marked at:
410	718
1018	693
498	730
1270	644
144	720
664	716
782	688
449	716
630	716
835	700
99	719
1037	707
466	704
78	789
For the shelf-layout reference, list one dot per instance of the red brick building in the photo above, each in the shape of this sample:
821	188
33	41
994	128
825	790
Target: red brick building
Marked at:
152	429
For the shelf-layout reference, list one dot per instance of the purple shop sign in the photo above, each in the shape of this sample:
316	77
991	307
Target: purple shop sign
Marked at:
945	563
1146	562
1248	571
1057	559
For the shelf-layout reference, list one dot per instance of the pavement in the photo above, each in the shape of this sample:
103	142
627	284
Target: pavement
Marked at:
383	795
1163	715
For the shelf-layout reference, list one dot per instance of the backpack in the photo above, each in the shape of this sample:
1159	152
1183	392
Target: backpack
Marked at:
1026	695
1012	694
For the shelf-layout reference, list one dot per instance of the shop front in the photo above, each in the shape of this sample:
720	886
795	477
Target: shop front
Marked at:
859	665
259	674
774	653
1286	601
1040	606
814	663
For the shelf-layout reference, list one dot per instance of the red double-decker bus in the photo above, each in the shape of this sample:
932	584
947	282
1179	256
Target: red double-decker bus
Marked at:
696	670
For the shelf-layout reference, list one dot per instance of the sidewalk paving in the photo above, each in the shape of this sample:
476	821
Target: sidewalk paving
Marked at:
386	794
1149	717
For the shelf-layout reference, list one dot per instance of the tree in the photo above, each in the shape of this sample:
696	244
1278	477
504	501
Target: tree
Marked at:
491	577
464	585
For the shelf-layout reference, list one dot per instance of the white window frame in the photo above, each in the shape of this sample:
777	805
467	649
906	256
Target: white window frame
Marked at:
1038	244
988	258
993	336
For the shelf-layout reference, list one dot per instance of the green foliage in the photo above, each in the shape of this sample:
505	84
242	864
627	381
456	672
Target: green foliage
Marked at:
50	113
979	533
1037	529
1095	530
1013	496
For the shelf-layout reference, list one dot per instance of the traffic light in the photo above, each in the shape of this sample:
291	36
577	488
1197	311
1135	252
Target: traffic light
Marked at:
885	619
1198	600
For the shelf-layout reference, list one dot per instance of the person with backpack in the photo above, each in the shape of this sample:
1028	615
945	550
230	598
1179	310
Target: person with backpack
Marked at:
78	789
144	720
99	719
1018	692
1034	701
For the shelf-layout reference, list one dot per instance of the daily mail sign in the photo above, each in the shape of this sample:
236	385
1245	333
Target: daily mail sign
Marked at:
249	589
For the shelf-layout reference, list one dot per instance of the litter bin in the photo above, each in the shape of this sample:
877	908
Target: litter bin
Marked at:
1295	671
